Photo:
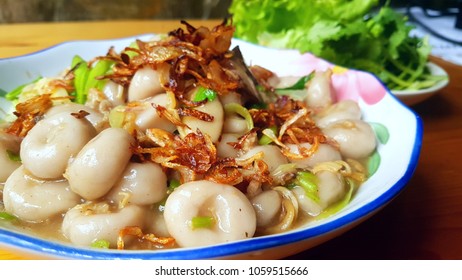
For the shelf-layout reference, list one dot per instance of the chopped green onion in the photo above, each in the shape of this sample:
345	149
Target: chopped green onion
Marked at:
14	94
100	244
308	181
7	216
231	108
340	204
300	84
101	67
264	139
203	93
13	156
173	184
85	77
296	91
202	222
81	74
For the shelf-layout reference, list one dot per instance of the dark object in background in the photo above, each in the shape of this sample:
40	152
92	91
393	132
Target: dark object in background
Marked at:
459	16
433	9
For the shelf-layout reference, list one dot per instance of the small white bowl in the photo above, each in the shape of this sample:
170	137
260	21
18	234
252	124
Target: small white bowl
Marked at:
411	97
403	131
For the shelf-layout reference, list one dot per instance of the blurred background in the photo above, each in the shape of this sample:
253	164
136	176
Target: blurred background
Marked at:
17	11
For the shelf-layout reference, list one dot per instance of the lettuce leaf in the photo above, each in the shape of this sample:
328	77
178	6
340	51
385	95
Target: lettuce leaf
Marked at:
352	33
254	17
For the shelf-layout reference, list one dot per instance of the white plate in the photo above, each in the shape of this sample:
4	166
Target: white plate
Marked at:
411	97
404	128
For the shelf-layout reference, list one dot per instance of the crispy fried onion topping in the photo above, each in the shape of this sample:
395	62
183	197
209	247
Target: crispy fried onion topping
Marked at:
195	157
159	242
195	113
293	119
349	168
184	60
80	114
30	112
233	171
245	142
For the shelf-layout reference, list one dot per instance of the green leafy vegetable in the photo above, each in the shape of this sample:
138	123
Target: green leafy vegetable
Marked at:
351	33
204	93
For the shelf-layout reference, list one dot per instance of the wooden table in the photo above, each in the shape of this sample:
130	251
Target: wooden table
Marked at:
423	222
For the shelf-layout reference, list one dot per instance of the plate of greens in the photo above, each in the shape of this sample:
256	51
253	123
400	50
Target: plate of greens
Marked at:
413	96
353	34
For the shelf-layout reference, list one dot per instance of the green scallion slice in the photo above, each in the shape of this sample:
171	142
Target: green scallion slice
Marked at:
203	93
14	94
173	184
13	156
235	108
264	139
100	244
308	181
202	222
7	216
